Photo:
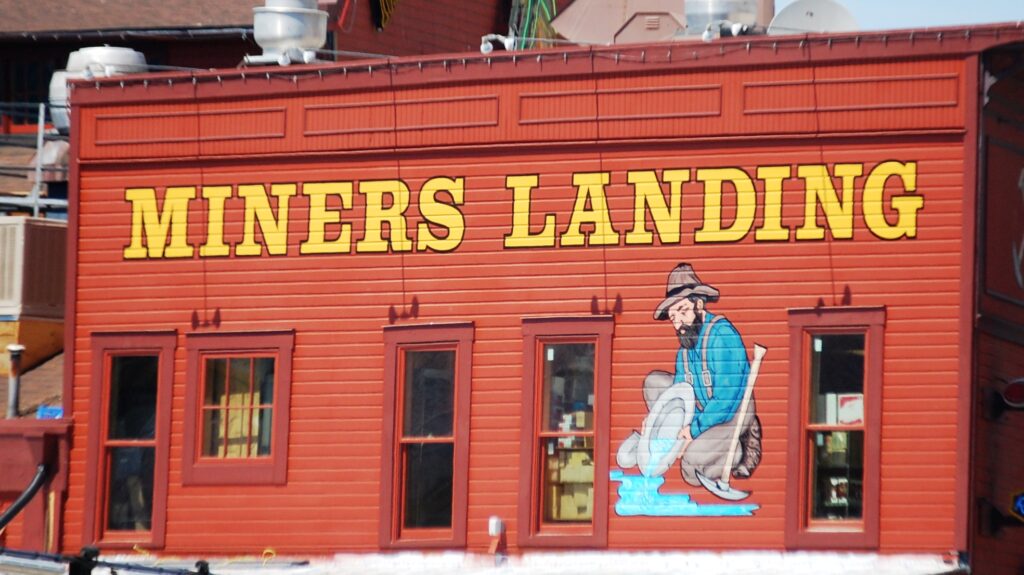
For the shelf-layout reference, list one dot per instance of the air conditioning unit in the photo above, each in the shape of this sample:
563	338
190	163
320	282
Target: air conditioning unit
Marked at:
32	267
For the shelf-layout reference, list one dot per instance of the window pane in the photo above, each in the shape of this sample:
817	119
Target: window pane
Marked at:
238	432
130	499
213	433
133	381
263	379
260	444
238	380
429	393
837	379
568	394
838	475
568	484
216	378
428	485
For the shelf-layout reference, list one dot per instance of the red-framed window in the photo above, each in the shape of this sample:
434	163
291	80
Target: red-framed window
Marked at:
835	419
425	463
127	454
564	442
237	399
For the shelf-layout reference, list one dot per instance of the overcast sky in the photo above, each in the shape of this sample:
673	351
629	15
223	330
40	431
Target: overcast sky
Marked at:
883	14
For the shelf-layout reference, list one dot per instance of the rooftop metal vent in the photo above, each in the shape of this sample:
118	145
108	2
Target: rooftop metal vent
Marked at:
88	63
288	31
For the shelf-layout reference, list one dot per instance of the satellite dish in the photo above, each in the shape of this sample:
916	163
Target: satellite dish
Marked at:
812	16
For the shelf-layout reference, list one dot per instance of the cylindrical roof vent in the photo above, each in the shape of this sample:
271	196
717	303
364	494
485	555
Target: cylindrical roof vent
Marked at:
288	31
92	62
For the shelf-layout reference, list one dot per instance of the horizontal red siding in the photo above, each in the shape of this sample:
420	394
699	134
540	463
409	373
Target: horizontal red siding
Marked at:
535	121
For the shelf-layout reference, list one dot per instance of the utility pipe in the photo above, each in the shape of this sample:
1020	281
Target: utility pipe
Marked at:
14	380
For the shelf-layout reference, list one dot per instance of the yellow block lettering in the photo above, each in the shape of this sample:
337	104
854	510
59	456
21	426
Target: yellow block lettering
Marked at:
377	215
520	237
590	191
772	230
819	190
441	214
258	210
215	197
320	216
648	195
746	205
906	205
155	225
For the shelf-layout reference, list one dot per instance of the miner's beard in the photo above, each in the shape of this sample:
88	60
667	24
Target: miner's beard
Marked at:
688	334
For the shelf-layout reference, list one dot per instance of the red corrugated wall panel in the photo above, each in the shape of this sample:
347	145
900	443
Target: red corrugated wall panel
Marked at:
867	113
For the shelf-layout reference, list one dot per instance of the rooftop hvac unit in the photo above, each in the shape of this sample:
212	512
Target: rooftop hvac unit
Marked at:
32	270
88	63
288	31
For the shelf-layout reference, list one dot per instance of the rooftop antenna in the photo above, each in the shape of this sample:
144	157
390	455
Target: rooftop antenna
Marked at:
812	16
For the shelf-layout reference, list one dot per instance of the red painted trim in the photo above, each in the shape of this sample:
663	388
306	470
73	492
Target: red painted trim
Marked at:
461	335
271	470
103	345
71	263
599	329
863	534
47	441
970	290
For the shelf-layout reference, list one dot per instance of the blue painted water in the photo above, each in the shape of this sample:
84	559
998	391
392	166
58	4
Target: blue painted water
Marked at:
659	449
640	495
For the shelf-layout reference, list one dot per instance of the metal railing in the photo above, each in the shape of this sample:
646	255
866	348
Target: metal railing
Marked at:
21	110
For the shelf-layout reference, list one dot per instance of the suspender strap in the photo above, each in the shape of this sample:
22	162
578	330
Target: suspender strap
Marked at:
705	374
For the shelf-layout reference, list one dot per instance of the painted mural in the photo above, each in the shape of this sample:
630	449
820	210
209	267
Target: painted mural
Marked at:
702	419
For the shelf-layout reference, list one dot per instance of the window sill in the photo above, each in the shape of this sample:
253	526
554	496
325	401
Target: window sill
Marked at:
263	471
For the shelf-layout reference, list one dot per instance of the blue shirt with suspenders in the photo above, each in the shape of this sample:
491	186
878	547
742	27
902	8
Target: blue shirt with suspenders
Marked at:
717	369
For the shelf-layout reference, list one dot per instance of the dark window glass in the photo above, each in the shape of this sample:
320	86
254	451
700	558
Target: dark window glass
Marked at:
428	485
429	393
216	382
238	381
130	501
133	397
568	393
838	475
261	432
837	378
263	379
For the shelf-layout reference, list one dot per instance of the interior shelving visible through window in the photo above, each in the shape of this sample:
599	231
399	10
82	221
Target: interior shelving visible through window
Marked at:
567	379
835	416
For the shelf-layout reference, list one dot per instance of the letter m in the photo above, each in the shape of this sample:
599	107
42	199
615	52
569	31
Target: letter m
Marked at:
159	233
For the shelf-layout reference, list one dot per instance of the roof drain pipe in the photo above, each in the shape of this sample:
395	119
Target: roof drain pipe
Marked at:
14	380
25	497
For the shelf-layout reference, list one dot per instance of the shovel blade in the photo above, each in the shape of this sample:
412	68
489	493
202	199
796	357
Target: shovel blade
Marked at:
722	489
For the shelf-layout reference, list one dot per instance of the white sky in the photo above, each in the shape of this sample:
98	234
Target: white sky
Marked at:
888	14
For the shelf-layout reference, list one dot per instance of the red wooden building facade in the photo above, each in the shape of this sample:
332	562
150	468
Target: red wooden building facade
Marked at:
369	306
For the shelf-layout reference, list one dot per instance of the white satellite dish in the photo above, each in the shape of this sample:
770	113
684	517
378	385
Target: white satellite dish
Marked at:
812	16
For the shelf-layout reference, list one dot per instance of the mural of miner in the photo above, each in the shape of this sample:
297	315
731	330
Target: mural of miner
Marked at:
694	413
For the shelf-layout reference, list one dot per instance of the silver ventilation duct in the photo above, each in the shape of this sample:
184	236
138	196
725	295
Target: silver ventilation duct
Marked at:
88	63
288	31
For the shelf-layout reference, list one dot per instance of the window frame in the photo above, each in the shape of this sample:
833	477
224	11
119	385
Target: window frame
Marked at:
397	339
801	531
104	347
536	332
272	470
